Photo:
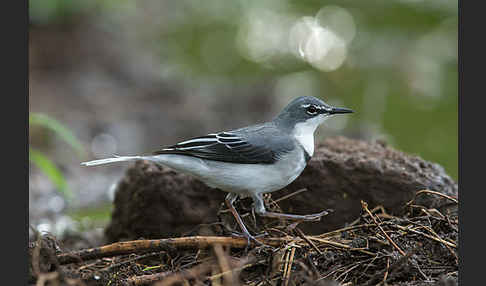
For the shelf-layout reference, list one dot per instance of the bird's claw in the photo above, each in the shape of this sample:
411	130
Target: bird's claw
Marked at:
250	238
317	216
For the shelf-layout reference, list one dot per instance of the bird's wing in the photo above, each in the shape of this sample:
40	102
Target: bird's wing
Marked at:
259	144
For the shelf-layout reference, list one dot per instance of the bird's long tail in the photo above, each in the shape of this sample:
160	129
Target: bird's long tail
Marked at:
111	160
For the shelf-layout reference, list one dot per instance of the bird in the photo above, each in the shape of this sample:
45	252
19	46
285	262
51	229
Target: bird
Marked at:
249	161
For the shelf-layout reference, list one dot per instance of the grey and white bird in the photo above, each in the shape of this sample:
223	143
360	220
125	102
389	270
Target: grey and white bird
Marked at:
250	161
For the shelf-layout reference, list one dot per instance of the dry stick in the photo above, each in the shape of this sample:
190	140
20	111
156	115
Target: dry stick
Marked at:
387	268
365	207
341	245
216	276
432	192
224	264
146	279
397	264
183	275
289	267
448	247
304	237
329	273
426	235
138	246
217	282
45	277
119	264
368	266
287	255
377	208
347	271
437	238
338	231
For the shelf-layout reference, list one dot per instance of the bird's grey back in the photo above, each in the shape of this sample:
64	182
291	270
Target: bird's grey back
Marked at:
272	141
256	144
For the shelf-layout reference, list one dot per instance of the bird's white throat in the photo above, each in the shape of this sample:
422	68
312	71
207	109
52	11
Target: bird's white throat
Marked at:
304	132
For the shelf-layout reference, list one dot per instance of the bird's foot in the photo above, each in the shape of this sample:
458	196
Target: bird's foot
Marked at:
250	238
317	216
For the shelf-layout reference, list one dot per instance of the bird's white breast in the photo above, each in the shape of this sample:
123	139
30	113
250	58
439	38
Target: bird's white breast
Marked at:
304	133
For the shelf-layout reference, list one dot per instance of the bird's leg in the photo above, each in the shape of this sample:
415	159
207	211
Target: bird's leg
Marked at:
230	199
259	208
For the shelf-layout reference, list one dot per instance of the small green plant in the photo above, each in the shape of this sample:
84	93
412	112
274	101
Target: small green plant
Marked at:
43	162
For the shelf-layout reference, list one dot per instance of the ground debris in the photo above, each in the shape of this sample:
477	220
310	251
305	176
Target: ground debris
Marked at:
418	248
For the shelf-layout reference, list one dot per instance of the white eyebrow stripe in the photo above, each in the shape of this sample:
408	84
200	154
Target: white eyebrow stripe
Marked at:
315	105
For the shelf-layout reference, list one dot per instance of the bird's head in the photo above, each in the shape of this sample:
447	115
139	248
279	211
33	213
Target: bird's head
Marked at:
307	113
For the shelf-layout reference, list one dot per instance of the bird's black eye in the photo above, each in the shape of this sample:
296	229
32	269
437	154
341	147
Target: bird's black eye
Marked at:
311	110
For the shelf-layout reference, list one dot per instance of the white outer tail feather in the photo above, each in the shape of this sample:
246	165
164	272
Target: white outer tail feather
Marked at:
111	160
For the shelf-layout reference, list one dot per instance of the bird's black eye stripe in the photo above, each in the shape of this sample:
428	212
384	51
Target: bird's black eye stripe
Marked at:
312	109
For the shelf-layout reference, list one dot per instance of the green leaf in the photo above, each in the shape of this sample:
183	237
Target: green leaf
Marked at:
51	171
58	128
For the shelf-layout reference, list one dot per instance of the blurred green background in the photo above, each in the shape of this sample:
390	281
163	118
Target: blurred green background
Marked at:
109	69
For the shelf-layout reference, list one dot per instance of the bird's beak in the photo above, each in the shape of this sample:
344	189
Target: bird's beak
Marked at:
339	110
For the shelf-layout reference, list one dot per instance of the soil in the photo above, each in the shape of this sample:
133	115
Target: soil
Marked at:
417	248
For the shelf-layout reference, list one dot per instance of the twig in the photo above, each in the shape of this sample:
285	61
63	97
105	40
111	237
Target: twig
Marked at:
365	207
434	193
286	255
119	264
347	271
448	247
387	269
45	277
304	237
396	265
182	275
288	267
216	276
138	246
338	231
224	264
377	208
426	235
146	279
341	245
